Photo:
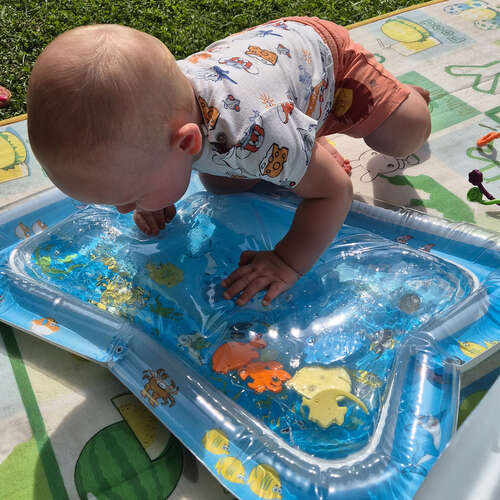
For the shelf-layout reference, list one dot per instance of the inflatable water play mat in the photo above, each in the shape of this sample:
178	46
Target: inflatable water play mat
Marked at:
350	385
346	386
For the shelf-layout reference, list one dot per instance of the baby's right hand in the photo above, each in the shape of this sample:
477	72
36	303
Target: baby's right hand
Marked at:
151	223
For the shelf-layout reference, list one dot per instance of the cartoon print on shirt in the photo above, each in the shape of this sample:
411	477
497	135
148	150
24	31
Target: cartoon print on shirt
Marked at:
284	111
264	33
210	113
214	74
284	51
252	140
199	55
305	77
316	95
230	102
274	161
308	138
263	55
280	24
240	63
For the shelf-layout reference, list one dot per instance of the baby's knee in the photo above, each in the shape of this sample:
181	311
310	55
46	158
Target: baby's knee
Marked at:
405	130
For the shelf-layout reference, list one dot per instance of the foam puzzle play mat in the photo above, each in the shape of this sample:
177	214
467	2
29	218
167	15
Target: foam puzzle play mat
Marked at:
350	385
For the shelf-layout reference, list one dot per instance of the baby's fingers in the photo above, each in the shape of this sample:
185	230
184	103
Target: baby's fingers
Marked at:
146	222
274	290
254	287
246	257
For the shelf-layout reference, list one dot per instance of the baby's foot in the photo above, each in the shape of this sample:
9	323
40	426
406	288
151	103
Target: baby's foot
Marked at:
345	164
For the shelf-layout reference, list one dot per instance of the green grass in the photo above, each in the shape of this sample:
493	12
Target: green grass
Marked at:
185	26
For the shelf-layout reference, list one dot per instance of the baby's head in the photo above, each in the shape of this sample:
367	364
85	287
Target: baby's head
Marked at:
105	104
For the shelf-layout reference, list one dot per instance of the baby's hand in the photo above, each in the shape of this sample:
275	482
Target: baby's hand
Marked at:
151	223
259	271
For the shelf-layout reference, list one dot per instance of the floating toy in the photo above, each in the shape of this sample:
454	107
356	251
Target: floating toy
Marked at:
265	375
234	355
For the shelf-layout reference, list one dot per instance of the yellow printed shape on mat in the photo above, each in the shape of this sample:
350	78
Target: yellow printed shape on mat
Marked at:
12	157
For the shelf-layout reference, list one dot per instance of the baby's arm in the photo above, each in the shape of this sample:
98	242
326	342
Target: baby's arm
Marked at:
327	194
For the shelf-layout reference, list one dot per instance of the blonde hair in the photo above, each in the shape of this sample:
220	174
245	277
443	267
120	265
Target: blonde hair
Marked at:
96	87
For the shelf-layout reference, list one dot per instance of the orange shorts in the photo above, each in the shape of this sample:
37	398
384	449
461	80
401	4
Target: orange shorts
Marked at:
365	92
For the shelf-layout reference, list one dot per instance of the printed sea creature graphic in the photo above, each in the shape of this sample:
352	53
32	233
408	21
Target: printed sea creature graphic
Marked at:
365	377
232	469
194	343
215	441
234	355
382	341
265	482
473	349
165	274
44	326
432	424
38	226
156	390
22	231
265	375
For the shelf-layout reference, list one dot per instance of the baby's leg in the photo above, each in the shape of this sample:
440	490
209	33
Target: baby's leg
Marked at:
342	162
405	130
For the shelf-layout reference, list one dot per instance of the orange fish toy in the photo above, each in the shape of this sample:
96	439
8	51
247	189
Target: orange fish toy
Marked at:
266	375
235	355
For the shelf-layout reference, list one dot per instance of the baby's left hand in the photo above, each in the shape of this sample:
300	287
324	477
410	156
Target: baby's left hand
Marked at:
259	271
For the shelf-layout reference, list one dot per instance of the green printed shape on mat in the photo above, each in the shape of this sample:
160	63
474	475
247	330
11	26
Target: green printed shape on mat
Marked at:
46	453
114	466
446	109
494	114
22	476
485	76
440	199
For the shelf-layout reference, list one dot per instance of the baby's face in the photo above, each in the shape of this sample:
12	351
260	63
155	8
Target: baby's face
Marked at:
155	188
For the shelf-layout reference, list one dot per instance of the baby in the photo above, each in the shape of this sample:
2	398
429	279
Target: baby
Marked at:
114	119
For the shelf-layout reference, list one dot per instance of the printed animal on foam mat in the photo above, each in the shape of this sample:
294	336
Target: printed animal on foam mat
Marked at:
410	37
480	13
373	165
156	390
44	326
12	157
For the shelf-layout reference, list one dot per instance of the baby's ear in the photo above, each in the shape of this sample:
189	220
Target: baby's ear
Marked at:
188	139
